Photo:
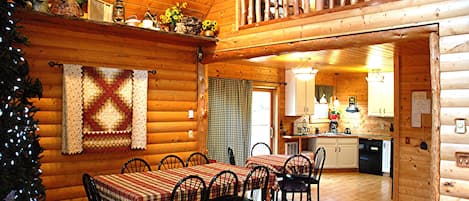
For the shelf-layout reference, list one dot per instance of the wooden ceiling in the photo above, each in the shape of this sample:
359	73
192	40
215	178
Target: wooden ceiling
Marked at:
197	8
355	59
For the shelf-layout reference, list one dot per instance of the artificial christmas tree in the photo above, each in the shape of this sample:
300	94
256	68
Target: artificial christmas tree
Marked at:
19	145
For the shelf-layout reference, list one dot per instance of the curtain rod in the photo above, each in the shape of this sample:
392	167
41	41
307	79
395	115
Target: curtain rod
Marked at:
284	83
59	65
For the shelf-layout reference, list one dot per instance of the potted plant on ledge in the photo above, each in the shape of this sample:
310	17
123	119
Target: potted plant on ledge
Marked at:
209	28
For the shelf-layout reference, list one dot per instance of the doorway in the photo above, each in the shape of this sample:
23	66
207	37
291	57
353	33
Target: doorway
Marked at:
262	129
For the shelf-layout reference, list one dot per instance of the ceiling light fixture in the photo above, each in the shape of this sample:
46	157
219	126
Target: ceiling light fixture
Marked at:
375	76
304	71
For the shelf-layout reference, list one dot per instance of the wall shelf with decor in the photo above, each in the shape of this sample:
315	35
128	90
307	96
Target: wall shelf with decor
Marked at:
108	28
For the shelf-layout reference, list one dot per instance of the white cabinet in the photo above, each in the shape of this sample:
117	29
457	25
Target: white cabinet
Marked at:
340	152
381	96
299	95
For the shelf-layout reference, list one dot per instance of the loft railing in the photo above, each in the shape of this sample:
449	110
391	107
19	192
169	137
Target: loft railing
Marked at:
259	11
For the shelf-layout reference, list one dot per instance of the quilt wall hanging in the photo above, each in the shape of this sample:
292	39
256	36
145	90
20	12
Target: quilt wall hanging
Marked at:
104	109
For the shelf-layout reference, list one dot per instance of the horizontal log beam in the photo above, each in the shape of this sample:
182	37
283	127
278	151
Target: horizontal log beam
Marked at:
325	43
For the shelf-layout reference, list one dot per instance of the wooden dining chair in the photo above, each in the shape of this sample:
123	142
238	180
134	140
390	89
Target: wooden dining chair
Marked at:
319	159
90	188
296	170
170	162
135	165
189	188
231	156
223	187
261	148
256	180
197	158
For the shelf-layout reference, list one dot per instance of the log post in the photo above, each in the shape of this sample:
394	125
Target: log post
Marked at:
267	10
331	4
436	108
319	5
202	102
342	2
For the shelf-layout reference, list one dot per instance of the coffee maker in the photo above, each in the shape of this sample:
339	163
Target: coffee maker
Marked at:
333	126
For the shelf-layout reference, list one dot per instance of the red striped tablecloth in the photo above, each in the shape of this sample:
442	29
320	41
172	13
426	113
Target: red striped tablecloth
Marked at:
158	185
274	162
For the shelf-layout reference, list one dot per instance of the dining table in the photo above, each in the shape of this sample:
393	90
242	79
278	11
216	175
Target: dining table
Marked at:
273	162
158	185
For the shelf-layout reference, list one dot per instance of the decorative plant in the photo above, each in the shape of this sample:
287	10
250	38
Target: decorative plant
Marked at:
209	25
20	150
173	14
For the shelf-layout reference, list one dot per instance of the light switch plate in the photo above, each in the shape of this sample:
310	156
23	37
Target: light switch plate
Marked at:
190	133
460	126
191	114
462	159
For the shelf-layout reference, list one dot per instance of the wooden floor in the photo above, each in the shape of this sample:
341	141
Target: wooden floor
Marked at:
353	187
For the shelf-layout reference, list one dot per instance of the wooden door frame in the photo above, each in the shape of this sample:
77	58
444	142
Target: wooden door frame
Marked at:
378	37
274	120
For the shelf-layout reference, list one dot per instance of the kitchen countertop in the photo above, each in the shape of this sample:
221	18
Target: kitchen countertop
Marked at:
340	135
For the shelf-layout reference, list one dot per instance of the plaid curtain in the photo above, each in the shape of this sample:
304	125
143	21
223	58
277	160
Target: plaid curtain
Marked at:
229	119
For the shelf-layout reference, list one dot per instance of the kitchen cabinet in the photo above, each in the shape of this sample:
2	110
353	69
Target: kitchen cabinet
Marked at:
299	95
381	96
340	152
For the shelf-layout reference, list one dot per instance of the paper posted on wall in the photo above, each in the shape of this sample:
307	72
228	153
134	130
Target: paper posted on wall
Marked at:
420	105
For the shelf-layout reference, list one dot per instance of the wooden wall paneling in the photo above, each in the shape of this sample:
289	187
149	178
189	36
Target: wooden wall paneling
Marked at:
448	114
448	135
451	171
455	80
172	91
448	150
397	122
455	187
455	98
419	164
454	26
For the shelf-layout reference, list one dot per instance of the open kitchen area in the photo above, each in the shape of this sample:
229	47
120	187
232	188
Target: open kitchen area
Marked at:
352	108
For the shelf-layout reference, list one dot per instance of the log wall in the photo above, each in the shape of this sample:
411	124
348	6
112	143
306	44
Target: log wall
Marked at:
454	66
171	93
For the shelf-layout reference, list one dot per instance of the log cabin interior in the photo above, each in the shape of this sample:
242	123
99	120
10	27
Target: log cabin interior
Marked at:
422	44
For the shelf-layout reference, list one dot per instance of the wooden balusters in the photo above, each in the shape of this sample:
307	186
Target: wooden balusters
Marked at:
275	9
306	7
319	5
243	13
296	7
331	4
250	11
258	10
266	9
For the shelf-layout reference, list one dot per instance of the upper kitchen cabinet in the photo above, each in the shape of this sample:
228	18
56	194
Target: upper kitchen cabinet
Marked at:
299	95
381	94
